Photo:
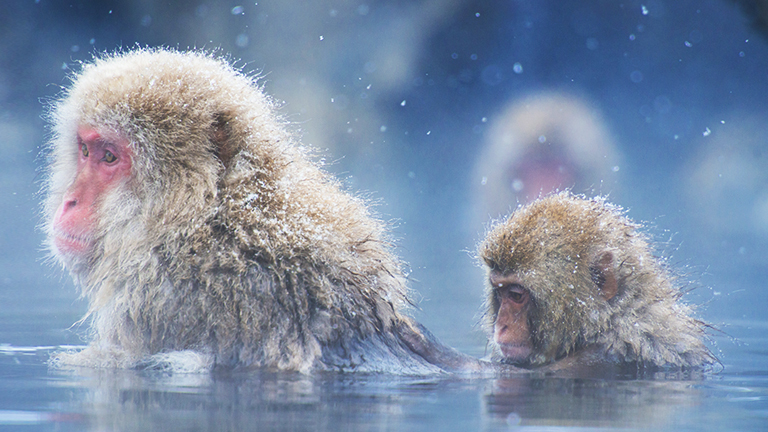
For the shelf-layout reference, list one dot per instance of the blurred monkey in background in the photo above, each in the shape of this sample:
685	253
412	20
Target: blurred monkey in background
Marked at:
540	144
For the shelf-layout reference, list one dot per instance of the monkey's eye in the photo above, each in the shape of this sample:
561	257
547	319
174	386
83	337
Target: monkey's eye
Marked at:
84	150
515	293
109	157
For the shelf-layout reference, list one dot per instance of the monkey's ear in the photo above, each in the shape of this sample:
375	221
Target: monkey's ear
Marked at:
604	276
222	140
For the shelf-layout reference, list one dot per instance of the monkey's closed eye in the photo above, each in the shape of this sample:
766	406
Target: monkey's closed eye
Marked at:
108	157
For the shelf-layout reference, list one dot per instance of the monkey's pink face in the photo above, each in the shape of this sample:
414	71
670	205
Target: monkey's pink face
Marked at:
542	174
101	164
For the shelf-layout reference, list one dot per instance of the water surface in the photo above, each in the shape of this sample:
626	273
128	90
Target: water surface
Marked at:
36	397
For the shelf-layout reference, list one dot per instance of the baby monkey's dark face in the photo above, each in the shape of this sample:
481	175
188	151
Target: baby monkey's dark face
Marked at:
512	302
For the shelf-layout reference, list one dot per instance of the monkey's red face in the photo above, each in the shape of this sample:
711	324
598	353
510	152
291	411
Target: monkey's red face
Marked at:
101	164
511	330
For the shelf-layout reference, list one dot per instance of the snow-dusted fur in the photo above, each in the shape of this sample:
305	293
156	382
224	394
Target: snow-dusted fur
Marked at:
551	244
227	244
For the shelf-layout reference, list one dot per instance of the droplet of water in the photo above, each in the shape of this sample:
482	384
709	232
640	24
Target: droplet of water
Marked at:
242	40
514	419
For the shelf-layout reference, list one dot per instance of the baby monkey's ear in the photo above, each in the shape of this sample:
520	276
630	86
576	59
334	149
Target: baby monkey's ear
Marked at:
604	275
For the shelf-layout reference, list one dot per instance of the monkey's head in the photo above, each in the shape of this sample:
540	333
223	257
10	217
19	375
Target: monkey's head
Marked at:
141	142
555	268
540	144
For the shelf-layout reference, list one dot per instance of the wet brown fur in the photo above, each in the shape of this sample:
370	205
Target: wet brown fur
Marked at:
227	240
553	245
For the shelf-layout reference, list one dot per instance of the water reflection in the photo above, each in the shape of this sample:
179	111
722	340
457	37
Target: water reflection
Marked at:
130	400
33	397
588	403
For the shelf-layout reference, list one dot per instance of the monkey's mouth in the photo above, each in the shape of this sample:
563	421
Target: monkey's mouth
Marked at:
68	243
515	352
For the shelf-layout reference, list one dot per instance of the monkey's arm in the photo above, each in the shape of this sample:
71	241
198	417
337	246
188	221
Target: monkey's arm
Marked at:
592	361
423	343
